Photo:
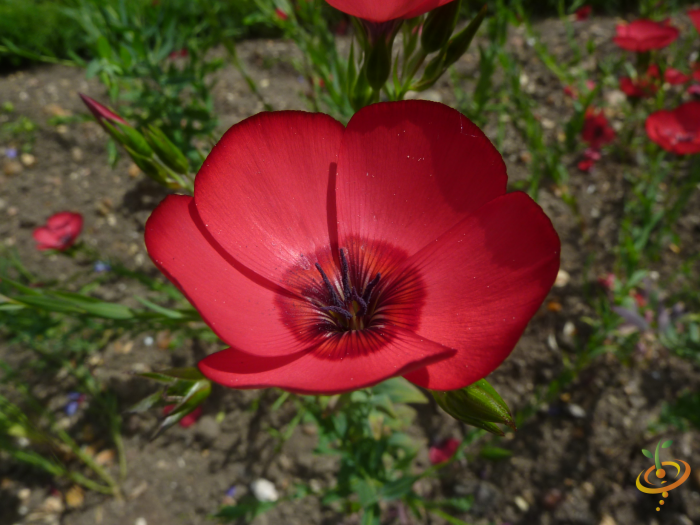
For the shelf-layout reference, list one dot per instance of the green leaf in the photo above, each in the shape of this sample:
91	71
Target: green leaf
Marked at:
398	488
495	453
167	312
365	492
667	444
104	50
146	403
399	390
647	453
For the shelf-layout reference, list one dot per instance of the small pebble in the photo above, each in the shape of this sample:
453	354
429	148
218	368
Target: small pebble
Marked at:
562	279
264	490
521	503
148	340
577	411
140	521
28	159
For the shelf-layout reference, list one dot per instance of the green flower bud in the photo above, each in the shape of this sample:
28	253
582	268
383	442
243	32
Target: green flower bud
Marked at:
458	45
166	150
129	138
378	65
438	26
478	405
150	166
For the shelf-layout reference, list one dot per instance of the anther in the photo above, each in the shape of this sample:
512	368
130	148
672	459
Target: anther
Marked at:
334	296
368	291
363	304
346	274
338	310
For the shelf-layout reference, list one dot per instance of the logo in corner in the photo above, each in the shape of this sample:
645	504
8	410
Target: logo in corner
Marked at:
661	485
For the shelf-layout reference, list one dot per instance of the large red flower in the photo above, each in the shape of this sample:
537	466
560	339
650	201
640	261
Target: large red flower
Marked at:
60	231
597	131
385	10
645	35
333	258
694	15
677	131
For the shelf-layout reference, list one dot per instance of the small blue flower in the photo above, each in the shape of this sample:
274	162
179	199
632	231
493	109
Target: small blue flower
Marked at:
72	408
74	396
11	153
101	266
231	492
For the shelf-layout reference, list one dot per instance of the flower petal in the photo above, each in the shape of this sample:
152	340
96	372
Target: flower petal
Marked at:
385	10
355	360
240	307
46	238
408	171
263	192
484	280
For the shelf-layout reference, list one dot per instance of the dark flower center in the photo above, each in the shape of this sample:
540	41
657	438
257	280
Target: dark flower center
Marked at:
353	309
355	298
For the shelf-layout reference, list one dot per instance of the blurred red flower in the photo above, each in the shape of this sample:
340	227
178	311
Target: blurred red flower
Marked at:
385	10
694	15
443	451
675	77
677	131
694	90
281	14
645	35
590	157
582	13
180	53
188	420
60	231
333	258
597	131
638	88
572	92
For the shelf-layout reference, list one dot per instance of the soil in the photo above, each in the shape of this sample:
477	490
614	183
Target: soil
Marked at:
574	460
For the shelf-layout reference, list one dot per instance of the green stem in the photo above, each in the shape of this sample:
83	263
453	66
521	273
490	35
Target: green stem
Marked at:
12	50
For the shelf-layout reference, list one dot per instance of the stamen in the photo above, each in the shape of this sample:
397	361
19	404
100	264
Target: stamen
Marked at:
338	310
363	304
346	274
368	291
334	296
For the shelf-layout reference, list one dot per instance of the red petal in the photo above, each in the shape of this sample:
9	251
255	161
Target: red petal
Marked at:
263	192
408	171
677	131
694	15
341	364
385	10
46	239
484	280
240	308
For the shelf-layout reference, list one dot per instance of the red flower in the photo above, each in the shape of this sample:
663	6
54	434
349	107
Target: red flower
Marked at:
638	88
590	157
607	281
188	420
60	231
597	131
100	112
694	90
333	258
694	15
645	35
385	10
677	131
675	77
572	92
180	53
443	451
582	13
281	14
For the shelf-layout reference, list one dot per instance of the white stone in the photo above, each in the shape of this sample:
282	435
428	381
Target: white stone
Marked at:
264	490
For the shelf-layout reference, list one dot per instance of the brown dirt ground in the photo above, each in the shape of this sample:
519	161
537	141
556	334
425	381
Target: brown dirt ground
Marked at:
564	469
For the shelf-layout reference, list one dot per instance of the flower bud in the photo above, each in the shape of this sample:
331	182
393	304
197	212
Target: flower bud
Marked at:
438	26
150	166
458	45
100	112
378	65
168	152
478	405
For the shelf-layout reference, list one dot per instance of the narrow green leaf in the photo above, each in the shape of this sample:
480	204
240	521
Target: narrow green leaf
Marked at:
647	453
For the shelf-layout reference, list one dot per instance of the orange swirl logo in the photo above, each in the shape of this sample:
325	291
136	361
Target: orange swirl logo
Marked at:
663	488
